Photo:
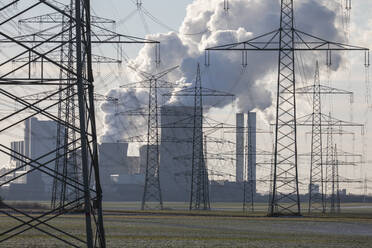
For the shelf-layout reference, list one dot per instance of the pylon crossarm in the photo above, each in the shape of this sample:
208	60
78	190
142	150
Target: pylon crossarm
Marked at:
151	76
339	153
113	37
100	34
303	42
331	121
204	91
312	89
57	17
263	42
97	59
51	96
308	42
32	50
145	85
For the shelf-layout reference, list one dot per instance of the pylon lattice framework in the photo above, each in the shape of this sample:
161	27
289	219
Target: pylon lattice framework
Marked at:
286	40
152	197
329	123
65	65
317	199
199	175
335	179
199	194
67	162
80	76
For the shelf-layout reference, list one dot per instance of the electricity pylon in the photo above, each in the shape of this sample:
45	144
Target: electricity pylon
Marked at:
68	162
199	197
316	199
81	77
332	127
199	194
66	152
59	58
333	177
152	197
285	199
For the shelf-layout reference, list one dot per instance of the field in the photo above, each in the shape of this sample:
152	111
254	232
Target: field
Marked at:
225	227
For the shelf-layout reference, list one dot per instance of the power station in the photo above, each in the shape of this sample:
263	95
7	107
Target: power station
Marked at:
168	146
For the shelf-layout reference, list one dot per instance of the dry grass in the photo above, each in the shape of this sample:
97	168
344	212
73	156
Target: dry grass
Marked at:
179	228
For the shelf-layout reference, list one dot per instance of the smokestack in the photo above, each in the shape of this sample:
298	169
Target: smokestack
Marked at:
239	147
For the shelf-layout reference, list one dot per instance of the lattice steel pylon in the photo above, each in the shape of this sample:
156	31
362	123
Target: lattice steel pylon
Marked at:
286	40
317	199
68	162
330	153
152	197
329	125
68	76
329	162
199	198
199	194
80	75
152	190
335	196
316	163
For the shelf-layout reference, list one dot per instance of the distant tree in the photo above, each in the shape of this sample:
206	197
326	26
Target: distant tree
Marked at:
1	202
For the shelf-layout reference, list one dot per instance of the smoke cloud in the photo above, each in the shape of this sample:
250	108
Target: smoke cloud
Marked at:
207	24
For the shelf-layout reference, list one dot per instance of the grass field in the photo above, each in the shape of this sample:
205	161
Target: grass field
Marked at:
225	227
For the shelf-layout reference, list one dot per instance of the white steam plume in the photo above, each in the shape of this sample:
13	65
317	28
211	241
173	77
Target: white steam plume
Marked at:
207	24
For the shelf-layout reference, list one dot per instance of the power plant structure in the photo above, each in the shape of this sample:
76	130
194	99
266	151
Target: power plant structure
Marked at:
175	173
51	133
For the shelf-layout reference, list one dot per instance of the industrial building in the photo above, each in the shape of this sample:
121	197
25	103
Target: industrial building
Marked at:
39	144
123	176
17	161
112	159
176	152
16	157
39	139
